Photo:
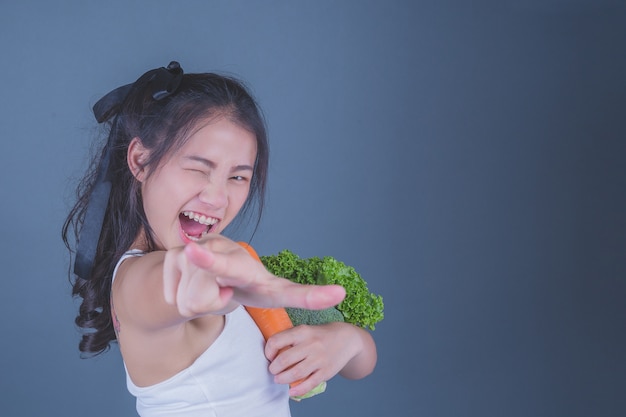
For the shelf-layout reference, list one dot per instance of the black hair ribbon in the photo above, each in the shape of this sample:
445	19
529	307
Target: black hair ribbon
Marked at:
162	83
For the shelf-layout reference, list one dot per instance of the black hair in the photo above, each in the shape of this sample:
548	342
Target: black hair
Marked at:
163	126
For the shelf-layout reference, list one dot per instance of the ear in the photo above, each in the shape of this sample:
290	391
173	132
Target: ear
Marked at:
136	157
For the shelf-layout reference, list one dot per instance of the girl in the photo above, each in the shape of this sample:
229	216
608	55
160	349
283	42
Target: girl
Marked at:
186	155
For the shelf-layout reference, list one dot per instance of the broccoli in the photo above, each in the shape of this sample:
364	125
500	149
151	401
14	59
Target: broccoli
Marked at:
360	307
300	316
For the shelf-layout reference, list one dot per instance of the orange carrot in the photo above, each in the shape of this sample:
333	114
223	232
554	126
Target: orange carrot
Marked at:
269	320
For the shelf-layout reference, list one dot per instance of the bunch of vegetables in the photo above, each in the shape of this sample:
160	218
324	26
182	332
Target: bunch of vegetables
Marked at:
360	307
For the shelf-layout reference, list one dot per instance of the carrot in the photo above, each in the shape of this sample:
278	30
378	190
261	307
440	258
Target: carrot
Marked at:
269	320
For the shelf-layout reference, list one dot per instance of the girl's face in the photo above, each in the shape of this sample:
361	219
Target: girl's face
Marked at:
201	187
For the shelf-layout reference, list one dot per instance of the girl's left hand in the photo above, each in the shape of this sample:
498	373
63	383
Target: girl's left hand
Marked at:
317	353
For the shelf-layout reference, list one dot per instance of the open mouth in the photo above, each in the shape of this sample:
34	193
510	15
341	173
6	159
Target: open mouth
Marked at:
195	226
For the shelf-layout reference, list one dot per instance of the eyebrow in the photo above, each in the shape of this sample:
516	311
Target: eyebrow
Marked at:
210	164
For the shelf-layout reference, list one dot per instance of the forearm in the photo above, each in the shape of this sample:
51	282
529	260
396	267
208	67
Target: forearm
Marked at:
365	357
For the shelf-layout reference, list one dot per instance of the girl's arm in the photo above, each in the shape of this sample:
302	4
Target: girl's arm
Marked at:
163	288
318	353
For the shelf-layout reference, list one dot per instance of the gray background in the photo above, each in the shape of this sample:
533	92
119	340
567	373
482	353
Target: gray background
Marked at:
465	157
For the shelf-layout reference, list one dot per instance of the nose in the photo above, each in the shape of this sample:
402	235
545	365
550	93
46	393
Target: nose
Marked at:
215	194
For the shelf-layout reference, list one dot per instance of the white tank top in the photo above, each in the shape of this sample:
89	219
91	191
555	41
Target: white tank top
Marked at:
230	379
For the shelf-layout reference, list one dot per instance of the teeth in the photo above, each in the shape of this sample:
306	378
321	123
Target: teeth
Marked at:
194	238
207	221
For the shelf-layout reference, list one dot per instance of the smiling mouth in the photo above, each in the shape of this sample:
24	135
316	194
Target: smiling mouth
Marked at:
195	226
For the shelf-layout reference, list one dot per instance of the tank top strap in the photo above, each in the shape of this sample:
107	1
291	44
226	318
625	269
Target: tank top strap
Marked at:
128	254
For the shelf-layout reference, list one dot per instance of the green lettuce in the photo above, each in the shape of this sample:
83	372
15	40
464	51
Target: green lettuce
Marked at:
360	307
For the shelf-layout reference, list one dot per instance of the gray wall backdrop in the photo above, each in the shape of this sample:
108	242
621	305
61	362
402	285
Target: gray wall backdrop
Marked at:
465	157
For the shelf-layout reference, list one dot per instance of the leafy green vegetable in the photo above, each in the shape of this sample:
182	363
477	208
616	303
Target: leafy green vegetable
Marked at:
360	307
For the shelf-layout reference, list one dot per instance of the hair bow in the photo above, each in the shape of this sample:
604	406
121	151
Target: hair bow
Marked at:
161	82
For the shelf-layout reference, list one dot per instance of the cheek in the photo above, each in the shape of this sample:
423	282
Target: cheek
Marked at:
159	197
238	199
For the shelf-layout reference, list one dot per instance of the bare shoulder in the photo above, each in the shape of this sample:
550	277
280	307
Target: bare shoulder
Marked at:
138	296
155	342
140	266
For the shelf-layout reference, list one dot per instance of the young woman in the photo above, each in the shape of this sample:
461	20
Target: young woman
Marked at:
186	155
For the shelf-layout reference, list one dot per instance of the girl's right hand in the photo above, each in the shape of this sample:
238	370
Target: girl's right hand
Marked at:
216	274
